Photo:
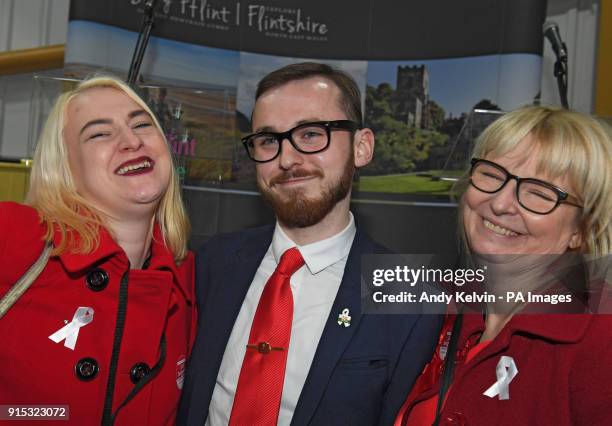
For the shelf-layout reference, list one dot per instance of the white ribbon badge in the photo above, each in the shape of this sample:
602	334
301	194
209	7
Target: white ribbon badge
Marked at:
505	371
70	331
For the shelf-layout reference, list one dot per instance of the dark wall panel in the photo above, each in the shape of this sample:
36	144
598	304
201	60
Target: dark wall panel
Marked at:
405	228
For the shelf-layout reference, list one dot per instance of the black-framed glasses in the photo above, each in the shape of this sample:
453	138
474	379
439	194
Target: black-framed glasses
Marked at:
535	195
307	138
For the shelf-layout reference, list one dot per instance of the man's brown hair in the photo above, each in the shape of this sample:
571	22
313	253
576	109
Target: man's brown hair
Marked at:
350	97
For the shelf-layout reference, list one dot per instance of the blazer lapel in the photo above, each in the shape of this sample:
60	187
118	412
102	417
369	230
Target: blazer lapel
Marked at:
219	313
335	338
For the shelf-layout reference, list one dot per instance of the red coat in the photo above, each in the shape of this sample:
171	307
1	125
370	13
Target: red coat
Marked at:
564	365
160	306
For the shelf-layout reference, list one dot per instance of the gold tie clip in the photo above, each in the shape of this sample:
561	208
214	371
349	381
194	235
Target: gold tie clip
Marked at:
263	348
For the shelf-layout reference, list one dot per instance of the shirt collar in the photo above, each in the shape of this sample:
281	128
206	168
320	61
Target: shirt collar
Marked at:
320	254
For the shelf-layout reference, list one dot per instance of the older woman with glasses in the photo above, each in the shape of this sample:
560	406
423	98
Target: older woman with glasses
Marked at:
539	189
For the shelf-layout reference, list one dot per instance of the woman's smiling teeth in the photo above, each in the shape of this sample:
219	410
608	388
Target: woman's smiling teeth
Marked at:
142	165
498	229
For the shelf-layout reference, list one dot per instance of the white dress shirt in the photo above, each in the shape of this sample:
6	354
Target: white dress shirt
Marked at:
314	287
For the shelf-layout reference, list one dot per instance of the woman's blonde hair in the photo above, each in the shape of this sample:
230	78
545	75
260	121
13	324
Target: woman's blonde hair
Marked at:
571	145
54	195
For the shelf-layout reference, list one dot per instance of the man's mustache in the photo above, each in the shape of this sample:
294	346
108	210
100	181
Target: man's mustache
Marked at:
293	174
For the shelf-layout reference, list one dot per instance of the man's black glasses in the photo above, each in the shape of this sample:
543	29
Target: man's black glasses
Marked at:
307	138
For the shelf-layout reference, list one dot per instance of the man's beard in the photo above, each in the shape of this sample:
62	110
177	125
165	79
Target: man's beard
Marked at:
294	210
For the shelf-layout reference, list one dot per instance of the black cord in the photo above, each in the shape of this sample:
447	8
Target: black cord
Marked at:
107	416
150	376
449	366
560	72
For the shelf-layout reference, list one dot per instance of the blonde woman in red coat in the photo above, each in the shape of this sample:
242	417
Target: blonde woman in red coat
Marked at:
103	334
540	187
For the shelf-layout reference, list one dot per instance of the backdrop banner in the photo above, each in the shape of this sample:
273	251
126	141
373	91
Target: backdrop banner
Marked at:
340	29
428	72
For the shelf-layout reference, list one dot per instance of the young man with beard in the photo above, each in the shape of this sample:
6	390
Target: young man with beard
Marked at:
281	338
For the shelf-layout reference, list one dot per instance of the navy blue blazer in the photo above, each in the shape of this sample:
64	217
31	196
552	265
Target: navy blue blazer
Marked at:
360	375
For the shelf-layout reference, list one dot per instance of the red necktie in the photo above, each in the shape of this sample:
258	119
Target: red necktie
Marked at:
260	386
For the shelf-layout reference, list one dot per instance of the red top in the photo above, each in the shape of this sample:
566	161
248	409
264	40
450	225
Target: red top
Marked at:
37	370
564	373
